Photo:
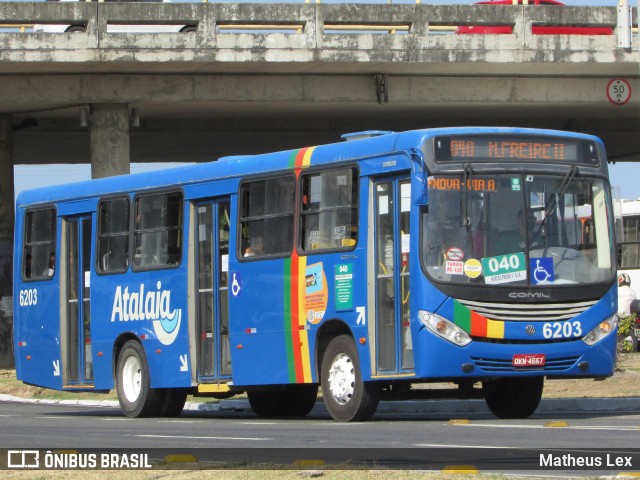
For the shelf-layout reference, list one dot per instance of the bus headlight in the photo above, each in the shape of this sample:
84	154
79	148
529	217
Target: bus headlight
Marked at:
601	331
444	328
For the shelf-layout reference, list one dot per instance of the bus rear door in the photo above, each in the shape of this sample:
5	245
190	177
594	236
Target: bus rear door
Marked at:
75	281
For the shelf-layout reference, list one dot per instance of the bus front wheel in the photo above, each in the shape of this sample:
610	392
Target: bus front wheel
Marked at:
346	396
136	397
516	397
172	401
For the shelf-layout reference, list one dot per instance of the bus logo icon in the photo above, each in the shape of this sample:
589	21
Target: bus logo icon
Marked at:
23	459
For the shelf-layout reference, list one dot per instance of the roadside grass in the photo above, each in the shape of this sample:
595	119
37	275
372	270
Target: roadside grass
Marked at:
282	474
624	383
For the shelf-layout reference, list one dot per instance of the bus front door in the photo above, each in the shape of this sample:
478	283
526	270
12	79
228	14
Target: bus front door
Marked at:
76	325
212	317
394	354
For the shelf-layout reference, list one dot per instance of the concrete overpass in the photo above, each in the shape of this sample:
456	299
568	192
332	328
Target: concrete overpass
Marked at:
252	78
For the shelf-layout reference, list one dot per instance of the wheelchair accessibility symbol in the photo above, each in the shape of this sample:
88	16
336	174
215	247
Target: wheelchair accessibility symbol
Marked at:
541	270
236	280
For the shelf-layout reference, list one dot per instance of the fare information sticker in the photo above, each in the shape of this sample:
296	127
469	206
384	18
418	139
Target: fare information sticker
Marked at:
504	268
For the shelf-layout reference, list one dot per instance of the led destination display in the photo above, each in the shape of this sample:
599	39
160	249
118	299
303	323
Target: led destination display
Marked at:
526	148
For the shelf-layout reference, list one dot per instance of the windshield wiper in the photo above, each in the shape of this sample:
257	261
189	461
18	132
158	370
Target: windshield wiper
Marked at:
466	177
566	181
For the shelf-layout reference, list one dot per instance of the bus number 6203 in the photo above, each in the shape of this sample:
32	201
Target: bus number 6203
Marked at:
562	329
28	297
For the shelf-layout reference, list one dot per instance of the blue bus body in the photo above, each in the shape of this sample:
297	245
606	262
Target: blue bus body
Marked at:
210	320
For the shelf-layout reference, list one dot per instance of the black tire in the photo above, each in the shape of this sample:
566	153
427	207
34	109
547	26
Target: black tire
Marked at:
346	396
298	400
293	401
172	401
265	403
136	397
516	397
76	28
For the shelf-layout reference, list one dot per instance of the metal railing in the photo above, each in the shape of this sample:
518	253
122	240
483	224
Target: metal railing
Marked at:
305	19
21	27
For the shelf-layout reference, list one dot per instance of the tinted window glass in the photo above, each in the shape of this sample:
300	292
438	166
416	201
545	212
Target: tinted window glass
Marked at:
39	244
113	235
329	210
157	231
267	217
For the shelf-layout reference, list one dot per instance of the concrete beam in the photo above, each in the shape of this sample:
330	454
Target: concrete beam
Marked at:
277	92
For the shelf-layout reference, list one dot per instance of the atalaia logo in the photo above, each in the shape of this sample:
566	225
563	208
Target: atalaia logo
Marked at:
151	305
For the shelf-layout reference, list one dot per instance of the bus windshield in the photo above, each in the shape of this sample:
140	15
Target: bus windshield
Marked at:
517	229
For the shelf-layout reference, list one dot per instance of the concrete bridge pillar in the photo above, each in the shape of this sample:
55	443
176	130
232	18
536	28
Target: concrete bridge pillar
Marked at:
7	215
109	139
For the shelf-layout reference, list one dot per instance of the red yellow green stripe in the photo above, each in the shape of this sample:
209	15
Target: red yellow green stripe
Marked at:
305	356
301	158
288	339
296	337
475	324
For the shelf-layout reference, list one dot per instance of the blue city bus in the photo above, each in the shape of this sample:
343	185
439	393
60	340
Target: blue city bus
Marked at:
366	268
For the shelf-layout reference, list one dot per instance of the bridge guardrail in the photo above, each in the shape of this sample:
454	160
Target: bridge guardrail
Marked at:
300	32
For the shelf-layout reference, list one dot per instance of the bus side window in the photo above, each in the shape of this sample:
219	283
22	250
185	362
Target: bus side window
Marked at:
629	247
157	232
39	244
113	235
329	210
266	218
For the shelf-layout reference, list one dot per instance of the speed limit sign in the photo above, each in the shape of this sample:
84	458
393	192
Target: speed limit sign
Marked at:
618	91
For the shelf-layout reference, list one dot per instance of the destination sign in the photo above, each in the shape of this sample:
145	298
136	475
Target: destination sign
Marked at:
509	148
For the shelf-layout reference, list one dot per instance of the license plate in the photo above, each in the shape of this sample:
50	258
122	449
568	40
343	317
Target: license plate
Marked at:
529	360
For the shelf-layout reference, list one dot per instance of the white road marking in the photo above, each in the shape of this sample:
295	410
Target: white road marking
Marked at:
445	445
189	437
536	427
263	423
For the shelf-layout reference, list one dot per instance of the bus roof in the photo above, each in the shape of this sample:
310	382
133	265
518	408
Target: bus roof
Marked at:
241	165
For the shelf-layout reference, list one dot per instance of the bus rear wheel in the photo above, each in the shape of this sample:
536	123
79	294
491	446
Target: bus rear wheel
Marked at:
299	400
136	397
265	403
294	401
516	397
346	396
